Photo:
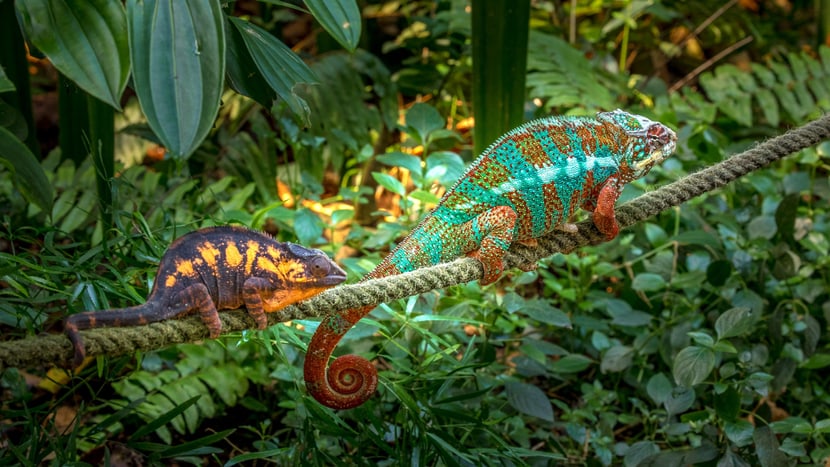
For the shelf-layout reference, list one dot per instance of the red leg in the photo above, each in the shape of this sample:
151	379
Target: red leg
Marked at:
604	216
498	225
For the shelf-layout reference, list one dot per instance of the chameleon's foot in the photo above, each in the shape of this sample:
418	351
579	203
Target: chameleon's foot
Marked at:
74	336
527	267
607	225
259	318
492	268
530	242
80	352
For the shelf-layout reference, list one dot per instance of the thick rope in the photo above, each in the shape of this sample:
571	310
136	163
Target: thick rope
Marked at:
56	349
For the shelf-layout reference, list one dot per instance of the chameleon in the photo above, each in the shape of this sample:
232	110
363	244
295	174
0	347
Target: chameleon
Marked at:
528	183
219	268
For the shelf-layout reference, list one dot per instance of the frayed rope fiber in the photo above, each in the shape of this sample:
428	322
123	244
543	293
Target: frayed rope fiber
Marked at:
56	349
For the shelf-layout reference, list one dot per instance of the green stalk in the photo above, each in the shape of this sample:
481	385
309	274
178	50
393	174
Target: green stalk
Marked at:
102	151
624	45
13	61
74	120
500	32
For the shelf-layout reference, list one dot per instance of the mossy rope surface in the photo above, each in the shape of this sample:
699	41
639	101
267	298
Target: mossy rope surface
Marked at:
56	348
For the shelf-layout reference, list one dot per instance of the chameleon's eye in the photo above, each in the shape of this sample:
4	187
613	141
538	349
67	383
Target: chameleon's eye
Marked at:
659	136
319	266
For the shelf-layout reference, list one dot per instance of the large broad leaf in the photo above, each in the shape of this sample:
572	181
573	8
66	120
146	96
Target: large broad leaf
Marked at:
340	18
28	174
85	39
178	53
6	84
243	75
281	68
529	400
692	365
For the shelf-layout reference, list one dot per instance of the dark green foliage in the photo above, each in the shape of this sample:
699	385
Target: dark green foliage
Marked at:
781	90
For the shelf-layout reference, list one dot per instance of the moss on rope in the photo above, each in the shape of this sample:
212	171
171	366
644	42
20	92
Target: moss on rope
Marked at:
56	349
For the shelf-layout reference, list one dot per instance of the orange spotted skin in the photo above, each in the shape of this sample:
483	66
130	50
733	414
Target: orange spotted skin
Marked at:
219	268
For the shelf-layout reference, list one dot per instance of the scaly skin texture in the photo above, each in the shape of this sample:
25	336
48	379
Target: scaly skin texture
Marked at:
527	184
220	268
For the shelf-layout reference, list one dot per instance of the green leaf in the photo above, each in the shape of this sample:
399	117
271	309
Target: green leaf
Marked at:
250	456
698	237
739	432
573	363
616	359
307	226
762	227
692	365
702	338
816	361
242	72
718	272
648	282
544	312
655	234
659	388
85	39
421	120
731	459
734	322
785	215
164	418
400	159
445	166
199	446
679	401
728	404
281	68
793	447
340	18
27	173
639	452
390	183
766	448
6	85
529	400
178	54
630	318
823	426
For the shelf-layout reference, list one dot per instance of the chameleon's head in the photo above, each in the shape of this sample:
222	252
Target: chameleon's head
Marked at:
303	272
652	141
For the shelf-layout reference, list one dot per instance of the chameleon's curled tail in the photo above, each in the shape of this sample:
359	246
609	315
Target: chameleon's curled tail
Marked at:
133	315
350	380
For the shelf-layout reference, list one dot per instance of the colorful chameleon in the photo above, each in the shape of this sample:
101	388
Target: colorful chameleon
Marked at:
215	269
525	185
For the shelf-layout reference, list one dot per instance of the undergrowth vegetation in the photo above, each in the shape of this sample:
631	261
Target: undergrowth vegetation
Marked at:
698	337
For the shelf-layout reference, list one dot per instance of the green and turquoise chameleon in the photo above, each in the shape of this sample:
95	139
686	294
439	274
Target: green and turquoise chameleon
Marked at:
525	185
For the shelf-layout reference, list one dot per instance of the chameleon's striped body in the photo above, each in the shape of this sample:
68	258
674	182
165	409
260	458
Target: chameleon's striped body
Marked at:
527	184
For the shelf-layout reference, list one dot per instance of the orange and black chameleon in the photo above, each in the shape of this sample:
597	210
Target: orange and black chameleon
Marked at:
220	268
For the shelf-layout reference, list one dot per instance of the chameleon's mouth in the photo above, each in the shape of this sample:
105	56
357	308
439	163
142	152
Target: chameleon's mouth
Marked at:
283	298
653	158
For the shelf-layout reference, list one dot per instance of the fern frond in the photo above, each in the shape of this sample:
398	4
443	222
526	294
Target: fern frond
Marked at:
791	90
